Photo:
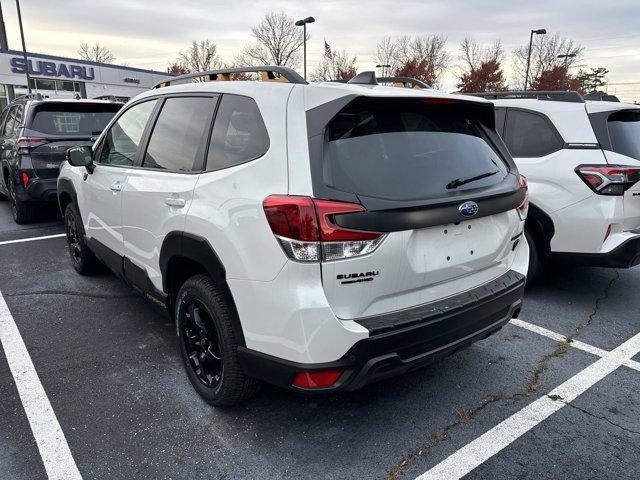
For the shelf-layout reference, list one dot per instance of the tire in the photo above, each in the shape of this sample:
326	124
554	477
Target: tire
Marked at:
535	259
82	258
208	345
23	212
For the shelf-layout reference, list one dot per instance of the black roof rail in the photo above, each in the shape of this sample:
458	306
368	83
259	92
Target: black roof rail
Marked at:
601	97
269	73
32	96
412	82
556	96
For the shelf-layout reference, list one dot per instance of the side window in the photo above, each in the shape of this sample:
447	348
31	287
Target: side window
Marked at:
239	134
529	135
19	114
121	142
7	129
501	114
180	134
3	117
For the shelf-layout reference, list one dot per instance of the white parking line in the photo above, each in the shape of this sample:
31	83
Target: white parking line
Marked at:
52	444
32	239
585	347
502	435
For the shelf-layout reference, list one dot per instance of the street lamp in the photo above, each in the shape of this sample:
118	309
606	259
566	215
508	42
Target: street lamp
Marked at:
540	31
24	48
303	23
566	57
383	66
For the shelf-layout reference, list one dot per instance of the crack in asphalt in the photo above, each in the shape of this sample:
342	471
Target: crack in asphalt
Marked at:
530	388
591	414
68	293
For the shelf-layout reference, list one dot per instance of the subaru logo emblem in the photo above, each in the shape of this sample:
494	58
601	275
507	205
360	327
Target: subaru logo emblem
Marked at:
468	209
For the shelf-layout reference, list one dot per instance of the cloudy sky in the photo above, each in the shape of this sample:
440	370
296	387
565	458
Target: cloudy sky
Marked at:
150	33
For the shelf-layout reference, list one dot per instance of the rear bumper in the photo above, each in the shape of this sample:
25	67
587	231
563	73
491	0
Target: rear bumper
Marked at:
404	341
625	255
38	190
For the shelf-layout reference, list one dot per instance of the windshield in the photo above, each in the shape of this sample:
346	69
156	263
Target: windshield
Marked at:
409	150
624	131
82	119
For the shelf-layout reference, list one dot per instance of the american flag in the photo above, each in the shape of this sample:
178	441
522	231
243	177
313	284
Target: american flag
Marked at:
327	50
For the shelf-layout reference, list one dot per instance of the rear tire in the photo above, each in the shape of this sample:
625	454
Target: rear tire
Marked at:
208	345
535	259
82	258
23	212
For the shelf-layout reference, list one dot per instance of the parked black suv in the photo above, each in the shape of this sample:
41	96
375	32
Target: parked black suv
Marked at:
35	133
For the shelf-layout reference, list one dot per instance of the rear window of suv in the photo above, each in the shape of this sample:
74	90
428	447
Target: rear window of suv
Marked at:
624	132
81	119
408	150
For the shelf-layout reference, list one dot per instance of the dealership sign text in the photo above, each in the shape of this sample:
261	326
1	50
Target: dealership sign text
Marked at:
50	69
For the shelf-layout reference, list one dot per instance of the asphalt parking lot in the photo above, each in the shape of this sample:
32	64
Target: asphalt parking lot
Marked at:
114	401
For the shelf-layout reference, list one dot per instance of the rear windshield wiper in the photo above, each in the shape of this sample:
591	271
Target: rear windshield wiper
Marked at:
462	181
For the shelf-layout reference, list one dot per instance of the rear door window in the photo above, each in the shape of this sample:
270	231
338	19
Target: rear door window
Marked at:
239	134
120	145
624	132
530	135
408	150
180	134
66	119
9	125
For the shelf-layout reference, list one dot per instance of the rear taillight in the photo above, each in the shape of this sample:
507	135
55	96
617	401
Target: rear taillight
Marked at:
608	179
26	144
307	231
24	178
523	208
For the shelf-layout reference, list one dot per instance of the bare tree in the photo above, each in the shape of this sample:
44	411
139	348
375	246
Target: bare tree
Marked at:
340	66
95	53
473	55
199	57
277	42
544	57
481	67
404	52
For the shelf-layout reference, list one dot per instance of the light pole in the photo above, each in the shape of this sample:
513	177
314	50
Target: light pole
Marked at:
540	31
24	48
566	57
303	23
383	66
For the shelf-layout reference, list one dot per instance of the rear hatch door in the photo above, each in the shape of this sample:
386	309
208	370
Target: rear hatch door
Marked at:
436	180
57	126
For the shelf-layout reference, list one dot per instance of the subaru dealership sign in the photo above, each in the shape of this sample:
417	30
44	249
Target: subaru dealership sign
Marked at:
44	68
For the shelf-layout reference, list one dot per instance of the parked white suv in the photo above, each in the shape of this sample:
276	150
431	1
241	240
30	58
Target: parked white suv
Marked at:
318	237
582	161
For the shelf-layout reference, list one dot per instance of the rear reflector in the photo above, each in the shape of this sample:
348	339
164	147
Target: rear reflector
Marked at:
310	380
609	179
307	231
523	208
24	178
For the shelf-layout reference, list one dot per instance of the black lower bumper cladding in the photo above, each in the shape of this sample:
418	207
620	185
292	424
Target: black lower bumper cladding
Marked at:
626	255
406	340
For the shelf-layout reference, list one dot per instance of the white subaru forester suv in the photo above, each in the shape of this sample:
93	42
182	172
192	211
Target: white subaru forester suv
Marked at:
581	158
317	237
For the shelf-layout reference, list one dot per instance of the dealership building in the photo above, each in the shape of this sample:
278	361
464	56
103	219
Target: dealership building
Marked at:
60	77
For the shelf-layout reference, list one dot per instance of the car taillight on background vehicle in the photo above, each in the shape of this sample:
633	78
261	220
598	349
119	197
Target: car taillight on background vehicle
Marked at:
306	229
609	179
25	179
523	208
26	144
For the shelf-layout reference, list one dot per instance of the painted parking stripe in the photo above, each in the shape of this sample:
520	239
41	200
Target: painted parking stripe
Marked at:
52	444
502	435
585	347
32	239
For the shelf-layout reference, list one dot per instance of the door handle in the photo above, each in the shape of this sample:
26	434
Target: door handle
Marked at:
116	187
175	202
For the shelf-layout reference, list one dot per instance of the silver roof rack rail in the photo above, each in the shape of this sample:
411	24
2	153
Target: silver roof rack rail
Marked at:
268	73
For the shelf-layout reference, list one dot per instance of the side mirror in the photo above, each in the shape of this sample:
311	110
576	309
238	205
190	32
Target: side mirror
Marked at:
81	156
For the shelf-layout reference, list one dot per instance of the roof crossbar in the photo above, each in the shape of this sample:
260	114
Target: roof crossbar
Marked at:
556	96
268	73
404	82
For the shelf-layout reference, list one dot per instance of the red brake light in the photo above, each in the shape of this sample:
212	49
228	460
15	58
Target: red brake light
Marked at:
306	228
310	380
438	101
24	178
25	144
608	179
